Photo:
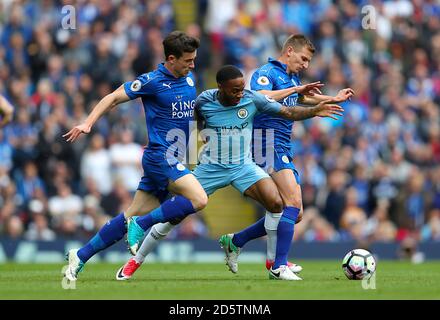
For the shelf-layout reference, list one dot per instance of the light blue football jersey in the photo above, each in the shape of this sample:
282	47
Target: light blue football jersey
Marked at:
228	129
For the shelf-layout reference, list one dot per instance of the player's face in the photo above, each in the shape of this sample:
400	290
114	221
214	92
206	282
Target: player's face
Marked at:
232	91
298	60
183	65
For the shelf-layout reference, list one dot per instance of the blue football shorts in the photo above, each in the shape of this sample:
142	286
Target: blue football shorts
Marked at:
281	160
158	171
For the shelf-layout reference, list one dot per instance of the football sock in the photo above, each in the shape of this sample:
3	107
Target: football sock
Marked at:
113	231
252	232
157	233
284	235
271	225
177	207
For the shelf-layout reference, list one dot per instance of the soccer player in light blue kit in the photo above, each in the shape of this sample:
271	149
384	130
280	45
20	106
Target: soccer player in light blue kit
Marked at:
279	79
168	95
228	114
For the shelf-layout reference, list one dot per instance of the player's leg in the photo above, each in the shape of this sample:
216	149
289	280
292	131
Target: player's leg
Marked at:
271	221
269	224
190	198
155	235
290	192
211	179
266	225
171	175
145	199
255	183
113	231
266	192
252	181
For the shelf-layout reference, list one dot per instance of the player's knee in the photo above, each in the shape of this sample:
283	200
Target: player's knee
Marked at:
276	204
200	201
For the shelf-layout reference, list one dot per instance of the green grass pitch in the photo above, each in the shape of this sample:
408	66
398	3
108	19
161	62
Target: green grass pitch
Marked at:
322	280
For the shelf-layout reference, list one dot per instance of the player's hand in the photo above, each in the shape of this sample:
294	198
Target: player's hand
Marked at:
344	95
73	134
328	109
310	89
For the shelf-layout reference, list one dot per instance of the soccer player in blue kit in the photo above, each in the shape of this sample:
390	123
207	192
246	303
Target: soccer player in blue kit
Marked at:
168	95
279	79
228	114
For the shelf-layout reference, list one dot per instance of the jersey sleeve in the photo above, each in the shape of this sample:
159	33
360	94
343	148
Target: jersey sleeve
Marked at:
261	80
141	86
202	100
265	104
198	107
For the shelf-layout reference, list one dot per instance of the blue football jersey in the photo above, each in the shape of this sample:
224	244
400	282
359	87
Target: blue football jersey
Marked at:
273	76
229	128
168	104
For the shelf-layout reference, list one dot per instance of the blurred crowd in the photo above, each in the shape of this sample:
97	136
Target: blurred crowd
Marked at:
372	176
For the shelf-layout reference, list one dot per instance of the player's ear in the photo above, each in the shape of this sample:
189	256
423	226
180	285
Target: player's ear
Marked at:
171	58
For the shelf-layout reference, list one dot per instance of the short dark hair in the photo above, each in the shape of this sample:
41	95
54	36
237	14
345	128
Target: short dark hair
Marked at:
298	41
228	72
178	42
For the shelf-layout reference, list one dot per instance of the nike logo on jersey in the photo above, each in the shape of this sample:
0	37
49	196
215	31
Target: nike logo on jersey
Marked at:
167	85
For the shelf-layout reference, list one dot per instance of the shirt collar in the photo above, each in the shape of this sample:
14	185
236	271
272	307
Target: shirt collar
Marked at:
277	63
165	71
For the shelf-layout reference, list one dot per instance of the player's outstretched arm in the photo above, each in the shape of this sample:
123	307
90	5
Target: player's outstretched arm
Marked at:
108	102
309	89
326	108
342	96
6	111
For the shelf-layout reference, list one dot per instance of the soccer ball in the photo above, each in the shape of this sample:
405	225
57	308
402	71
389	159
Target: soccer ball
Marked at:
359	264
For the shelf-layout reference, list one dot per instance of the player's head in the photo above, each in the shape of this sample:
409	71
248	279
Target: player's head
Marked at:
180	52
297	53
230	82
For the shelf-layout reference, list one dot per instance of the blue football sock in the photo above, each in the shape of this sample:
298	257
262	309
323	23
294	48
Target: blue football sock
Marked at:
284	235
113	231
177	207
254	231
